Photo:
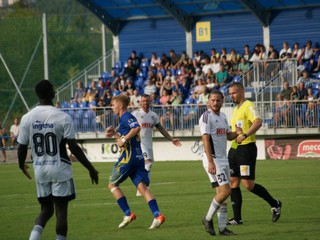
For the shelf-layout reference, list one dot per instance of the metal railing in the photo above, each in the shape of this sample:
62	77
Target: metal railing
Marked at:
66	91
185	117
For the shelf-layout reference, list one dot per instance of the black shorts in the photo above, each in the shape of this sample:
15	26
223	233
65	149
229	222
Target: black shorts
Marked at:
243	161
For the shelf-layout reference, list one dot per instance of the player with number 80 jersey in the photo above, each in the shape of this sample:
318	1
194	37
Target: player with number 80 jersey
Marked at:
47	128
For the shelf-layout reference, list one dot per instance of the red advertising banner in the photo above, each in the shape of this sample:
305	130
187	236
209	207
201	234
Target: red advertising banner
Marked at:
285	149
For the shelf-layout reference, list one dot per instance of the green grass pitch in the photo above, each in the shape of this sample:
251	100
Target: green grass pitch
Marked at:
183	193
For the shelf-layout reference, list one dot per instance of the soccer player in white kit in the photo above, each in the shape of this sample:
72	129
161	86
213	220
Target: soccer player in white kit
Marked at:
47	130
215	131
148	120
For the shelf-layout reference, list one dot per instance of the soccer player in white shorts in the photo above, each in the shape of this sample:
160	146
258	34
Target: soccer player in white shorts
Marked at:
215	131
48	129
147	120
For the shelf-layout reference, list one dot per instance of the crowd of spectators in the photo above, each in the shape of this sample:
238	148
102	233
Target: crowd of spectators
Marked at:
174	78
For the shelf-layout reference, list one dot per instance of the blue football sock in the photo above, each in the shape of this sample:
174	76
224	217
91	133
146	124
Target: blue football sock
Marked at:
123	204
154	207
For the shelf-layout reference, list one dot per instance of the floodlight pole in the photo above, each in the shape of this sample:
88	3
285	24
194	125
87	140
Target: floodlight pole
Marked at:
14	82
45	47
103	33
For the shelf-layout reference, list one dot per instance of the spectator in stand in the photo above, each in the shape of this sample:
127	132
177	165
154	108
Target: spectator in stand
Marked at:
92	93
166	86
272	53
302	93
174	59
221	77
198	74
210	75
129	87
296	51
107	98
150	88
121	83
3	140
301	67
101	88
311	109
262	52
286	91
135	99
243	67
214	55
154	99
165	61
183	61
200	88
113	76
285	49
304	78
281	114
215	65
225	64
155	60
206	66
152	76
234	66
183	87
165	97
316	60
233	56
136	61
130	70
318	95
80	92
255	56
196	56
204	97
246	54
159	77
307	52
114	90
223	53
14	132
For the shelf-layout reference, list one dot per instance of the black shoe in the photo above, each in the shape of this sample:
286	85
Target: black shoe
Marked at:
227	232
208	225
276	212
232	221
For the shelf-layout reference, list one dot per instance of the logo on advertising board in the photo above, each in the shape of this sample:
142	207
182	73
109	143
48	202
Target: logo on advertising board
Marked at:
309	148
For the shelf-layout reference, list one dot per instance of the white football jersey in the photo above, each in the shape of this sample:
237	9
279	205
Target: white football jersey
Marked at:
45	129
217	127
147	121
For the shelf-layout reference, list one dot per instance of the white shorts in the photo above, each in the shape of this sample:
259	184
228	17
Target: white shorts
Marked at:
147	153
59	190
222	176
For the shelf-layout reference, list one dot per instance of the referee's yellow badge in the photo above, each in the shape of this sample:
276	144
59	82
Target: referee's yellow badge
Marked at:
245	170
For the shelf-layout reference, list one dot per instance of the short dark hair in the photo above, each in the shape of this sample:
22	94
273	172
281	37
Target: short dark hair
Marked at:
217	92
44	90
237	84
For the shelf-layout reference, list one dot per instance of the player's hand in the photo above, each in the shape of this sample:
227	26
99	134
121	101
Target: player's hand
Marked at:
176	142
94	176
119	142
110	131
238	130
240	138
212	168
25	171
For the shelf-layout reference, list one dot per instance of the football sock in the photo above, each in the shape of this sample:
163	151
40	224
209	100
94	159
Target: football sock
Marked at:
236	200
60	237
36	232
214	207
222	216
154	207
123	204
264	194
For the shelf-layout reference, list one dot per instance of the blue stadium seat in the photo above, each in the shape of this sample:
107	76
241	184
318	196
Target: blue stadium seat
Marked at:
104	75
318	75
64	105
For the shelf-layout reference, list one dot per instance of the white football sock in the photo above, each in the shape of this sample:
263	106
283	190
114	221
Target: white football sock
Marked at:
36	232
214	207
222	216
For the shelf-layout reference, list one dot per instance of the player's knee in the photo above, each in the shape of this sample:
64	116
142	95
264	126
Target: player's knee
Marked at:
248	184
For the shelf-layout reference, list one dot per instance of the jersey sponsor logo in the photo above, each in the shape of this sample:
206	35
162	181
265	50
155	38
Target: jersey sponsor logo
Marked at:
146	125
309	148
41	125
221	131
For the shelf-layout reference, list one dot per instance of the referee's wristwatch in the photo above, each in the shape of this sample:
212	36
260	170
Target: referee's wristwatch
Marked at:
245	135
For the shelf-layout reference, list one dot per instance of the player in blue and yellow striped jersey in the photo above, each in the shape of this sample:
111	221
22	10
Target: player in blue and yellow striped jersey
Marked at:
130	163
